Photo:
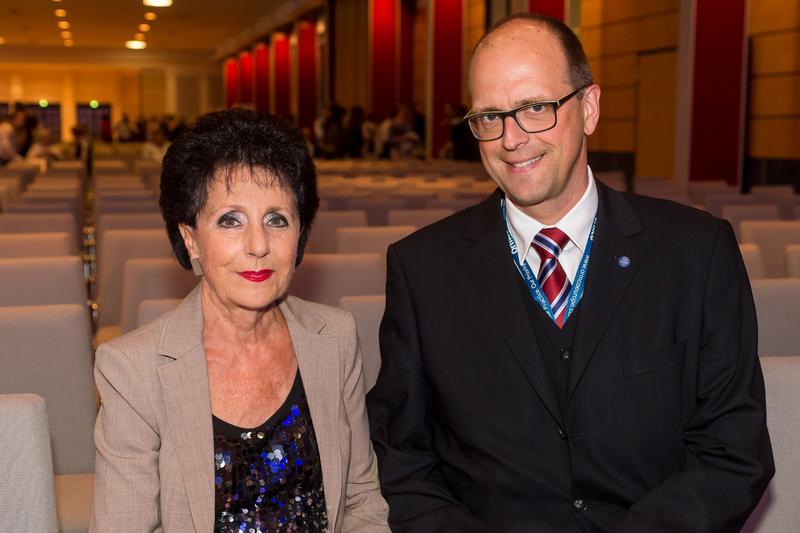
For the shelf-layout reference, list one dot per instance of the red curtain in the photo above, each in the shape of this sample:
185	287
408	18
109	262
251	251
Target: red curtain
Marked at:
551	8
245	77
384	55
283	75
261	54
447	69
306	73
231	82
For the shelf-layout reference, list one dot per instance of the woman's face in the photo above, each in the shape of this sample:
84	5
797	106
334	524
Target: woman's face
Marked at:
246	240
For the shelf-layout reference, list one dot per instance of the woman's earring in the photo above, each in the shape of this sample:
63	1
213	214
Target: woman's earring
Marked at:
197	268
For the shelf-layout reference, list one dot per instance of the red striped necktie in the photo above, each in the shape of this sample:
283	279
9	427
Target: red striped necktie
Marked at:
548	243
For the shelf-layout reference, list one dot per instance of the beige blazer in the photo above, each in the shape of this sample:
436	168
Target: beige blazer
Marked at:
154	467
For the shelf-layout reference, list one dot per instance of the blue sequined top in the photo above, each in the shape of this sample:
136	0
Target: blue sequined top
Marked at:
269	478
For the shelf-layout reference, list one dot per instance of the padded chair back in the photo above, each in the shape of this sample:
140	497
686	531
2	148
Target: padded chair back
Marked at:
751	254
36	244
149	310
417	217
778	310
42	281
735	214
116	247
377	208
27	493
368	311
145	279
369	239
47	351
781	190
793	260
714	202
772	237
325	278
107	221
33	223
323	232
778	512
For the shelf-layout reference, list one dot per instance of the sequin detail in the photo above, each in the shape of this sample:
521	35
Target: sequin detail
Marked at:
270	478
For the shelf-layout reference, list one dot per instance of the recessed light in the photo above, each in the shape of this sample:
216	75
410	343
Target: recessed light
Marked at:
63	24
144	27
69	43
157	3
66	35
43	103
139	36
60	13
94	104
150	16
135	45
2	40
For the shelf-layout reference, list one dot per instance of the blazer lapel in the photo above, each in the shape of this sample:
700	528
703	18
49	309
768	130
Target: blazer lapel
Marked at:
607	279
321	376
489	263
184	383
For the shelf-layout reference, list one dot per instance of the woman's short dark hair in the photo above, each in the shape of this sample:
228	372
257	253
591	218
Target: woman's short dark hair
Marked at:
222	142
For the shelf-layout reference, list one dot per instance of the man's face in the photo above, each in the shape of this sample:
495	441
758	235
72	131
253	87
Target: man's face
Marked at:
542	173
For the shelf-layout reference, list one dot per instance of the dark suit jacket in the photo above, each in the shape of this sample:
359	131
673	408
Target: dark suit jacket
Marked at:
663	428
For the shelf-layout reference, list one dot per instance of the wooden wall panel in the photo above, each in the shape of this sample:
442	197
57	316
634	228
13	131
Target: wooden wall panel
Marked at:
775	96
618	102
771	15
774	138
774	53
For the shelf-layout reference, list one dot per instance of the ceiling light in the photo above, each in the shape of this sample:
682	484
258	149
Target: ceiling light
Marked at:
157	3
63	24
150	16
139	36
66	35
135	45
2	41
69	43
43	103
57	1
61	13
144	27
94	104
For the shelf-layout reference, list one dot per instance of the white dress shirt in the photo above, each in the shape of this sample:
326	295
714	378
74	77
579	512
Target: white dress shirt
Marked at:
577	224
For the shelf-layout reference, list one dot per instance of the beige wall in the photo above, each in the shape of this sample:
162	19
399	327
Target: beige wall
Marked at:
774	114
616	34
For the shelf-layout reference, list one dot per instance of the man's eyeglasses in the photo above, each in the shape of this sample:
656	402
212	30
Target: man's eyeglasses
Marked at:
531	118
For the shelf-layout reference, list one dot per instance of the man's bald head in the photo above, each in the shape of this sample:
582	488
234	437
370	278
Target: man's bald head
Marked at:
513	27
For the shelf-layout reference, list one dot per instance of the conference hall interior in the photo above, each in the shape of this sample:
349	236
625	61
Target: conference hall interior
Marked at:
700	105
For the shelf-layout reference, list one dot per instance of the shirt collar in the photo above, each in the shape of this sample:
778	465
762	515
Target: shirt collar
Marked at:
577	223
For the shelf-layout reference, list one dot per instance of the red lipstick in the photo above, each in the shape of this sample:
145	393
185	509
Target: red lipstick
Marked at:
256	277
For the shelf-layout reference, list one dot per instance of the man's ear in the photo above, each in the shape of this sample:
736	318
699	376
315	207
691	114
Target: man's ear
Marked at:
591	108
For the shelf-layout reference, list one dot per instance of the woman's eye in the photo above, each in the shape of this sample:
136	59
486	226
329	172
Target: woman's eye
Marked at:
276	220
228	221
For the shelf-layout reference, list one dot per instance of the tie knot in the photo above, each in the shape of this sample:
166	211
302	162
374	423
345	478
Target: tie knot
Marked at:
550	241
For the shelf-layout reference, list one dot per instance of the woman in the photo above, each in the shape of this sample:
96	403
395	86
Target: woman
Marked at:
243	408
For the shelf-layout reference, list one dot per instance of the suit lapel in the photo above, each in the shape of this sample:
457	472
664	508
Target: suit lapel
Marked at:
184	384
488	261
607	279
321	376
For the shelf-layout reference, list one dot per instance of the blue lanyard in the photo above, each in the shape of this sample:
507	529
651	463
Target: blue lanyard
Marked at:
525	271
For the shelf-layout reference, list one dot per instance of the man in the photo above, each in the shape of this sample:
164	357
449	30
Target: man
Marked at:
563	357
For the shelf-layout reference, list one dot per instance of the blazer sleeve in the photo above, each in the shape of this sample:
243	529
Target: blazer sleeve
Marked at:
126	479
365	509
728	456
418	495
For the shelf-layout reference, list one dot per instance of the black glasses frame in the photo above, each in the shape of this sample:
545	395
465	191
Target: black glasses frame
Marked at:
555	104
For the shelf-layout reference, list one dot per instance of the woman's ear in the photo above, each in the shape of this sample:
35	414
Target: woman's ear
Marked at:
187	232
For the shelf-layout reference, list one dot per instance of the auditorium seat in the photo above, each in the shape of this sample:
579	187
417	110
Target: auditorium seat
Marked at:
714	202
377	208
735	214
107	221
116	247
369	239
28	281
793	260
325	278
27	491
778	309
368	311
751	255
698	189
323	232
150	309
778	511
35	223
417	217
144	279
772	189
36	244
47	351
772	237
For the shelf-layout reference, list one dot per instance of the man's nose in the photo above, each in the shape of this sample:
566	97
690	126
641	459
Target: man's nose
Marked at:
513	135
